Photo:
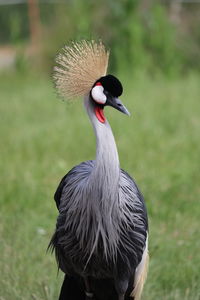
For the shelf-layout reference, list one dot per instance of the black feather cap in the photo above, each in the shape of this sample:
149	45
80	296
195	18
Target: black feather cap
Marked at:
111	84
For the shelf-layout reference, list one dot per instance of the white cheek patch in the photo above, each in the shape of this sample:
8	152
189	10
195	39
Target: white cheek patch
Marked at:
98	94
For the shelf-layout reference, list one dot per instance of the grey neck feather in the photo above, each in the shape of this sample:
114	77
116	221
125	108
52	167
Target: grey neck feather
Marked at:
103	184
106	170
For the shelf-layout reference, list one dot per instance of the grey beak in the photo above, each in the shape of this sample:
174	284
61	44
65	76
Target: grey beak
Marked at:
116	103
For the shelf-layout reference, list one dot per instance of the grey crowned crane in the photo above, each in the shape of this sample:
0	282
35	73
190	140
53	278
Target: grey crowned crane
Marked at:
101	235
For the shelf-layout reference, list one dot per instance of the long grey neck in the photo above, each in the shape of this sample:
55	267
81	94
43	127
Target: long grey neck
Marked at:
106	169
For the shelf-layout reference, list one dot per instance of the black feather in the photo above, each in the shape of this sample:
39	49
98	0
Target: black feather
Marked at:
111	84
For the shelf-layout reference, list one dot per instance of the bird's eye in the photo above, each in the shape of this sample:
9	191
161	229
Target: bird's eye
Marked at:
98	94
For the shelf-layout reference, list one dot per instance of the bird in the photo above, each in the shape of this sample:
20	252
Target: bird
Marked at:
101	235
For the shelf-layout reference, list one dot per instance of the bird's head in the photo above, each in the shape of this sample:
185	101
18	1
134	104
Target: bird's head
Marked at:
81	70
106	91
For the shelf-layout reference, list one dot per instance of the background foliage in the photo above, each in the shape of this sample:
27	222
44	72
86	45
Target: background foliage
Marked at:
155	52
149	35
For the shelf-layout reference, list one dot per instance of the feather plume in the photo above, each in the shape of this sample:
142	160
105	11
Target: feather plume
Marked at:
141	274
78	66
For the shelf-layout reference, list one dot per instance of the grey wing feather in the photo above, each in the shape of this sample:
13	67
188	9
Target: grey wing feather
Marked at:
84	168
133	210
59	190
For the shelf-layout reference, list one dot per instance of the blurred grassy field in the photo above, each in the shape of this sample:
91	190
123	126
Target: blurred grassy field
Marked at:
159	145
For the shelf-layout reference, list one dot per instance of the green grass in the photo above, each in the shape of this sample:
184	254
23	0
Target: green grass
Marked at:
42	138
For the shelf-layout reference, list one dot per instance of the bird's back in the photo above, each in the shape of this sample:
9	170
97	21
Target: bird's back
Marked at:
72	257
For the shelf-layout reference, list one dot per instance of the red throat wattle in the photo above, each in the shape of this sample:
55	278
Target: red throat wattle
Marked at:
100	114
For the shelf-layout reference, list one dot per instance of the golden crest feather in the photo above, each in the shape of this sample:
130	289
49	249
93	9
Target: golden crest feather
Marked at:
78	66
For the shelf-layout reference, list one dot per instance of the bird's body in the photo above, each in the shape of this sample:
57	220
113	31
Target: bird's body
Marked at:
73	253
101	233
